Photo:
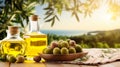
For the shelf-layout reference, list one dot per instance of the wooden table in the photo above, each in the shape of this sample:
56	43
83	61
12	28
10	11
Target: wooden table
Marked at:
5	64
33	64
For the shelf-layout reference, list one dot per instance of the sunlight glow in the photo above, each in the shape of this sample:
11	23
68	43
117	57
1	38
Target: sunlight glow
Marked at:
101	19
105	15
108	16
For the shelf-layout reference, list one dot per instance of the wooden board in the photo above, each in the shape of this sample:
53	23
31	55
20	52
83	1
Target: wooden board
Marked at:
27	65
60	65
47	65
4	64
33	64
67	65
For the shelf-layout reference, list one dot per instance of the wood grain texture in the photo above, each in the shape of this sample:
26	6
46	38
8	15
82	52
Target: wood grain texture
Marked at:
4	64
47	64
32	64
27	65
60	65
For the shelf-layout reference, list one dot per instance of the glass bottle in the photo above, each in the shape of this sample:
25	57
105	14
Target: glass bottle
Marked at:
36	40
13	44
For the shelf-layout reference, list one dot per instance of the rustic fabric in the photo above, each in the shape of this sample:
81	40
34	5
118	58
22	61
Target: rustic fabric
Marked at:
95	57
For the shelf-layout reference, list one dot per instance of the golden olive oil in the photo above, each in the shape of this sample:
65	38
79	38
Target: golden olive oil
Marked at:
36	41
35	44
13	47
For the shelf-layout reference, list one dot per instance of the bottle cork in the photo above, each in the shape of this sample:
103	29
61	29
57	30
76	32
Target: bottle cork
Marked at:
34	17
13	29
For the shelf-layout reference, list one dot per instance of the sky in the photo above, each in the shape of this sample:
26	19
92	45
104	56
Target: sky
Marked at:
100	20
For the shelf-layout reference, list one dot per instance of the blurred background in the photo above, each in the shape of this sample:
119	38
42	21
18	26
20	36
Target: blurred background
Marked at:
91	23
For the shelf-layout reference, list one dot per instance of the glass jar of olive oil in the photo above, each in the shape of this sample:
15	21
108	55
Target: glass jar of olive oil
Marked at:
13	44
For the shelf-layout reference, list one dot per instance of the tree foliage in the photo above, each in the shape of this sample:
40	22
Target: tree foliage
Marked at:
17	11
102	39
75	7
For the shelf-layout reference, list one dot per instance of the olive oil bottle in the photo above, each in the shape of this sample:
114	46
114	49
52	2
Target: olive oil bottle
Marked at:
36	41
13	44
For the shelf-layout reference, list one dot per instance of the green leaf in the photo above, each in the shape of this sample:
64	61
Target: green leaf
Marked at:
73	13
22	24
49	20
57	18
1	30
31	5
75	2
53	21
48	15
30	13
31	9
49	12
27	19
17	11
48	8
76	15
59	10
14	21
20	2
16	6
43	1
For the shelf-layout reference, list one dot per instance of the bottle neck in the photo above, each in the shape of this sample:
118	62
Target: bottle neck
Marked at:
11	36
34	26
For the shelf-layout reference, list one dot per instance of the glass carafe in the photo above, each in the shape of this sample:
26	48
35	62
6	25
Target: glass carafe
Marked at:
36	40
13	44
